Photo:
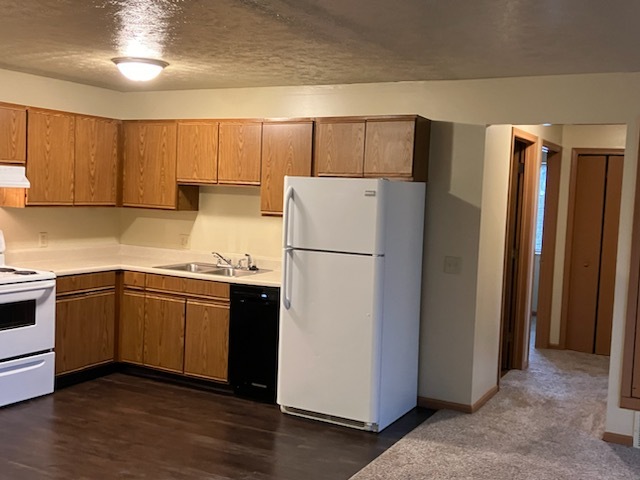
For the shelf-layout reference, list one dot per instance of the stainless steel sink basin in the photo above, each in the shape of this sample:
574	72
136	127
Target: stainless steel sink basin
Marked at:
191	267
211	269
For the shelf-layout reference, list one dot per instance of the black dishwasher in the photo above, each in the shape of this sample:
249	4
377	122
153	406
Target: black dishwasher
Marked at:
253	341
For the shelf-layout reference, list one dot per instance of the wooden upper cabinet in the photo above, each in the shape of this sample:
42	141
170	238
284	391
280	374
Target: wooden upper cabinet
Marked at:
239	151
339	148
389	148
197	152
96	161
286	150
50	157
149	166
13	134
397	147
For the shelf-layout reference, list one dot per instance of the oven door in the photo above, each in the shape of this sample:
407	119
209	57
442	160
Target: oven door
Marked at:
27	318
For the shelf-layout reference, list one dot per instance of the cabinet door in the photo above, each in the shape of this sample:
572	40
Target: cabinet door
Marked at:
96	161
84	331
206	350
13	134
149	170
339	149
286	150
239	153
389	148
131	328
164	332
50	150
197	152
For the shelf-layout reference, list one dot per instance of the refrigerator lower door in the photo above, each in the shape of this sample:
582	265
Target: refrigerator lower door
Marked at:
329	338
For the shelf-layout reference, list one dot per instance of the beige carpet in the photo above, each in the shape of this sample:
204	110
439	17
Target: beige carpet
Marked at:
545	423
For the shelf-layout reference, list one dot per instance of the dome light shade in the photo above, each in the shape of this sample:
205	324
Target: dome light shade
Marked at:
139	69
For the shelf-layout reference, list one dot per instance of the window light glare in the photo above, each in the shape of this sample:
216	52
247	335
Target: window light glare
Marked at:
139	69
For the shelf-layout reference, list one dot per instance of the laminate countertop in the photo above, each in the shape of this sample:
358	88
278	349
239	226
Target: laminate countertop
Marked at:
92	259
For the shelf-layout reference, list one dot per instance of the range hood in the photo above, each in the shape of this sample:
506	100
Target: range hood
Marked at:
13	177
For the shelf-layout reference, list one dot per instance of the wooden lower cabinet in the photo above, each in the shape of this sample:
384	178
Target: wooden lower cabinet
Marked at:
164	320
176	324
131	327
84	331
206	349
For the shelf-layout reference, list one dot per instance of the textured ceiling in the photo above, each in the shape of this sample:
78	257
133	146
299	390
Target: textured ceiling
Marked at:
246	43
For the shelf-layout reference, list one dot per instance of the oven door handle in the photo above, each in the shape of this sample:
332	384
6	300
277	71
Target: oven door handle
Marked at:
26	287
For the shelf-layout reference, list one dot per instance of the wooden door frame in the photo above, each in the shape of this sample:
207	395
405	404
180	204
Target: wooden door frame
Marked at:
575	153
524	281
548	253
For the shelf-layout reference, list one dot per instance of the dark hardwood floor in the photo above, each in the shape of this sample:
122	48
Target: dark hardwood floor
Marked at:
122	426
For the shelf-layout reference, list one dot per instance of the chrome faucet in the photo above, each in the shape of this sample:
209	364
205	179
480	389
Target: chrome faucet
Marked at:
249	260
226	261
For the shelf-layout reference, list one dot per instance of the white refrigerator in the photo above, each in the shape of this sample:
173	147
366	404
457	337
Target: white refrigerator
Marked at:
350	299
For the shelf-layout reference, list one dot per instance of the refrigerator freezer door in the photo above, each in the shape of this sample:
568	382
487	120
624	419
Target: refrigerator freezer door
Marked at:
328	361
334	214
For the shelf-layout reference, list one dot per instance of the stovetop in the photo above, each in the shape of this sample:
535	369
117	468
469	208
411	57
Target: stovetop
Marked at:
10	275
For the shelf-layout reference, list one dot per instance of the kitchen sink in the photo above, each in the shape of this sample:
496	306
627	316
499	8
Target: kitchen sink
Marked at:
191	267
211	269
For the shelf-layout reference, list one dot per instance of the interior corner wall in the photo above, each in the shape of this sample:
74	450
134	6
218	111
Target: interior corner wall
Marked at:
452	222
488	311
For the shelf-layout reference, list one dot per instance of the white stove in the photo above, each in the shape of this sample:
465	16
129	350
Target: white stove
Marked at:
11	275
27	332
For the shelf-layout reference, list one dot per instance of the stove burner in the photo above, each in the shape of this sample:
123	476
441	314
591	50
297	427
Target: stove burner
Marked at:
24	272
7	270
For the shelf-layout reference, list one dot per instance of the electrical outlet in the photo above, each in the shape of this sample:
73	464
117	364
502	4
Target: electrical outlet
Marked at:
453	265
43	239
184	240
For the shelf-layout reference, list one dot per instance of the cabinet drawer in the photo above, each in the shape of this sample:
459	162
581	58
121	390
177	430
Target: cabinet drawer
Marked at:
84	282
165	283
134	279
207	288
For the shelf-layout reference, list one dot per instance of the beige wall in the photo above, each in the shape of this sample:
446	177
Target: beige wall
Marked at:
600	99
228	221
452	222
64	226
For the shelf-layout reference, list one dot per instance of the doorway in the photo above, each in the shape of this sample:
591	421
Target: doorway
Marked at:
545	244
591	249
518	265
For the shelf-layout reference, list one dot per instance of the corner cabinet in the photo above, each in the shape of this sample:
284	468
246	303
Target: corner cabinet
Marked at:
286	150
388	146
85	316
50	154
149	168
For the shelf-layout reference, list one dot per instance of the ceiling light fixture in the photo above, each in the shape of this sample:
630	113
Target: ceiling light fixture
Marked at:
139	69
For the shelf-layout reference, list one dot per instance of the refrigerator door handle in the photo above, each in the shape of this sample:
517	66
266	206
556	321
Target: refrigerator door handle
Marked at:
288	198
286	299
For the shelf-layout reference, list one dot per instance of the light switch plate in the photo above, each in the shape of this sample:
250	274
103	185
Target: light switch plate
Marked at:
453	265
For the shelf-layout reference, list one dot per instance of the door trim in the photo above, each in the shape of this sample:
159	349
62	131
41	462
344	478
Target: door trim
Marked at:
524	281
575	153
548	253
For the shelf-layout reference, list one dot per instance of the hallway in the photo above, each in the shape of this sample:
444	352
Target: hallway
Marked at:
545	423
